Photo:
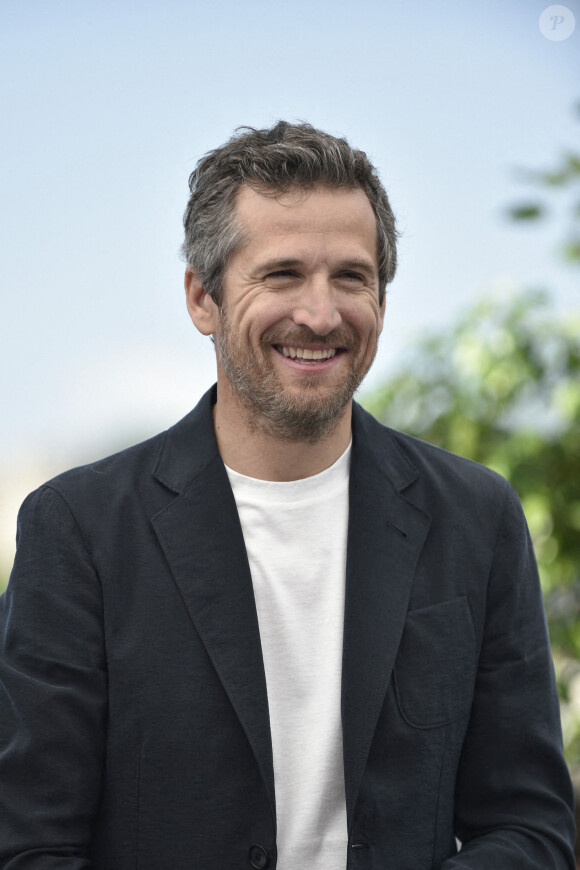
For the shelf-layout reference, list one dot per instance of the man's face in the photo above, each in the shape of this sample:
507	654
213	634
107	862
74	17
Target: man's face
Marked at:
300	318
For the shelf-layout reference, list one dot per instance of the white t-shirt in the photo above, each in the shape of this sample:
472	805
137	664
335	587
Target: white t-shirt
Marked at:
295	534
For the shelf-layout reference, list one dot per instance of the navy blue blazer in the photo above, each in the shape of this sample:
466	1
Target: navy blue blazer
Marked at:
134	727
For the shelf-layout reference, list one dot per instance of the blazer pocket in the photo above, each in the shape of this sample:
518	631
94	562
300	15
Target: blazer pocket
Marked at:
434	671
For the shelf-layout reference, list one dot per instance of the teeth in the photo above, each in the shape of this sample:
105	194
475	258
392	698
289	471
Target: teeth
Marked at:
306	353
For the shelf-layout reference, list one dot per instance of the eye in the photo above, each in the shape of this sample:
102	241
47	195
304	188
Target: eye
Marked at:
351	278
281	277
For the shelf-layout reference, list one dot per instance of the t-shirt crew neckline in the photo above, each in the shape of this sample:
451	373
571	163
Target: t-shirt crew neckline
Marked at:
304	487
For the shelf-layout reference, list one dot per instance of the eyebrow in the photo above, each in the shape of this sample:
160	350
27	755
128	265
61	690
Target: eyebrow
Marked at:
272	265
351	264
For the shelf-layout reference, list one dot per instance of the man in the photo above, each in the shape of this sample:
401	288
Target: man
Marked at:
280	634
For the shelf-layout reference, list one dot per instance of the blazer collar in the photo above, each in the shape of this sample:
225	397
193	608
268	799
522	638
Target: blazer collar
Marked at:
202	538
203	541
385	537
189	446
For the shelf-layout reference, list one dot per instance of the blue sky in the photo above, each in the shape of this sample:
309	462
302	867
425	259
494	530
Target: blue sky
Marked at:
107	107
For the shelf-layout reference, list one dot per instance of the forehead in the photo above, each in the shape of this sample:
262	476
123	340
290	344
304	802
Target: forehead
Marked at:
338	216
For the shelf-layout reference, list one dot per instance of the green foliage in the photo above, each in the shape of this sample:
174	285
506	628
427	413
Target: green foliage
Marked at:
562	183
527	211
502	386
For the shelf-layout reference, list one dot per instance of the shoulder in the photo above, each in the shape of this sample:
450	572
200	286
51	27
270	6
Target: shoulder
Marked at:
120	470
95	495
131	486
433	475
167	461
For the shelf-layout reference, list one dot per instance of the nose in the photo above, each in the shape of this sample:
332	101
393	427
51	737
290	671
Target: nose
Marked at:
316	308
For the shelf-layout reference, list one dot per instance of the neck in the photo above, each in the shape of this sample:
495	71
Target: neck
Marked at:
256	453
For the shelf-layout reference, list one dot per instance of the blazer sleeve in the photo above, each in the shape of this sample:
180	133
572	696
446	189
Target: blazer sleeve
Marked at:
53	690
513	795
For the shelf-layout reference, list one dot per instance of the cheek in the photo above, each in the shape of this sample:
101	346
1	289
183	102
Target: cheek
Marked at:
367	320
258	321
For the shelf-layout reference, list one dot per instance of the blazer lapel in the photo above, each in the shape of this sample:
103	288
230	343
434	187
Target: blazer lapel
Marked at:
385	537
202	538
201	535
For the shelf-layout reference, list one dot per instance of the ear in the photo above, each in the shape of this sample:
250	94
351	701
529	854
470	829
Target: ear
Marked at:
202	309
382	313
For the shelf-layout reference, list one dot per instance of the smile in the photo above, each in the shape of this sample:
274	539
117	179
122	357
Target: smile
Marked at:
306	353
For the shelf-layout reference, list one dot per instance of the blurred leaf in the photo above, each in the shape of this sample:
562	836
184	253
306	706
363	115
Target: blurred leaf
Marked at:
571	250
526	212
557	183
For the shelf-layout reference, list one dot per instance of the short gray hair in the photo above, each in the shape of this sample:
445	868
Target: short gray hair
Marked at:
274	160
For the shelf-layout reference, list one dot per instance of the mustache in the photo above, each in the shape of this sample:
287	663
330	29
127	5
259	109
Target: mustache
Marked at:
339	337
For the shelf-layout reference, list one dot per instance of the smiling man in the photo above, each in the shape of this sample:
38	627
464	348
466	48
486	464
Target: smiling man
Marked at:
280	634
297	327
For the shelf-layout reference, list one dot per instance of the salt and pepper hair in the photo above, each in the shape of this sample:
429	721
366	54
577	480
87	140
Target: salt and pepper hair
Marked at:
274	161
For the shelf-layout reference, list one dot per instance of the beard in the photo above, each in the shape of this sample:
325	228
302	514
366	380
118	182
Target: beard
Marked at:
307	413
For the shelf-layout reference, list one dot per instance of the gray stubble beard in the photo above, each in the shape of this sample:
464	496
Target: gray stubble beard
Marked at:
272	409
